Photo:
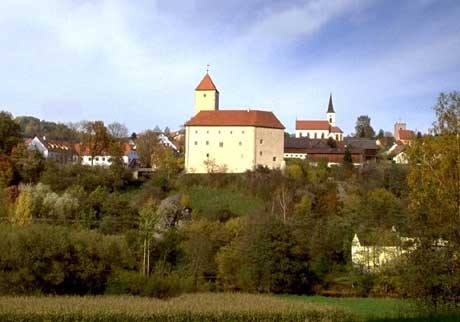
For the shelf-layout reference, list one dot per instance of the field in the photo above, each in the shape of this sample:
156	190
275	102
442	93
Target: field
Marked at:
213	307
191	307
379	309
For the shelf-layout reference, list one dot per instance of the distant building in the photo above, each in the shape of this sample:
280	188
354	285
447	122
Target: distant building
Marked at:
60	152
320	129
230	140
401	133
316	150
105	159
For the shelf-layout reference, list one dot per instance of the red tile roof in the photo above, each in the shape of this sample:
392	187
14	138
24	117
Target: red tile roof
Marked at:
206	84
406	135
316	125
236	118
311	125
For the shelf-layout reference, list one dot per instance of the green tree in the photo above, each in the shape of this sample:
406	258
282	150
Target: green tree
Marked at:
22	214
29	164
148	223
363	128
10	132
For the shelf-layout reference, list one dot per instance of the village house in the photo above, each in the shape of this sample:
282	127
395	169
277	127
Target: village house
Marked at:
230	140
316	150
403	138
320	129
60	152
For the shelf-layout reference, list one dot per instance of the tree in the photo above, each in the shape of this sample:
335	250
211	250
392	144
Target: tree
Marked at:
10	132
146	144
29	164
95	138
331	143
22	214
148	221
117	130
363	128
347	157
434	195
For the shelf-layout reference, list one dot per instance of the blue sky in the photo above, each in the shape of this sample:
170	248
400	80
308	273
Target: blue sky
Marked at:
138	61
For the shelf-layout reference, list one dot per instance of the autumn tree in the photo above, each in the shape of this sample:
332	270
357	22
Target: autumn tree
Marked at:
95	138
29	164
10	132
363	128
146	144
434	194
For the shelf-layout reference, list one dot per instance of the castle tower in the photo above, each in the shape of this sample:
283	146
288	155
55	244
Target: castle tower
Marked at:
206	95
399	126
330	112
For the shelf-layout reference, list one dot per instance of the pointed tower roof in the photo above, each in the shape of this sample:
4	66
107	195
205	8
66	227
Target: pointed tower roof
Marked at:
330	108
206	84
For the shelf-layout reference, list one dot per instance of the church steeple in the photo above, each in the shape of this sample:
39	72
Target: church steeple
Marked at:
330	108
330	112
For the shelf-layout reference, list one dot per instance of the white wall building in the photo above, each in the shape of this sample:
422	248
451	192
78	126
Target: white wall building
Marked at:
320	129
230	140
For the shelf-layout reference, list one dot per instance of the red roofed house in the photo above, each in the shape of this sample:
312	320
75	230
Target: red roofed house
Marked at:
230	140
402	134
320	129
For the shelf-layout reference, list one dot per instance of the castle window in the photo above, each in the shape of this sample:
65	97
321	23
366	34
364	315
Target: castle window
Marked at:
207	132
218	132
260	153
207	155
207	142
196	132
231	132
221	144
242	132
196	142
204	95
274	158
240	143
261	141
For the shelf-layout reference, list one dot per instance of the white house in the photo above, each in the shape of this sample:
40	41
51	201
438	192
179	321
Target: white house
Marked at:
320	129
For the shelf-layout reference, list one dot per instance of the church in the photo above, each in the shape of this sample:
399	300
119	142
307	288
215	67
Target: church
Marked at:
320	129
231	141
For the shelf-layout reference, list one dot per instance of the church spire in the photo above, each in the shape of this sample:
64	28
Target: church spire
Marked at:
330	108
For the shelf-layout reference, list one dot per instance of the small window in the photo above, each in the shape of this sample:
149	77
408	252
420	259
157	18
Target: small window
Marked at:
218	132
261	141
196	142
240	143
308	135
330	120
300	134
207	155
90	158
97	159
322	135
260	153
242	132
196	132
207	142
274	158
221	144
204	95
242	156
207	132
231	132
316	135
103	159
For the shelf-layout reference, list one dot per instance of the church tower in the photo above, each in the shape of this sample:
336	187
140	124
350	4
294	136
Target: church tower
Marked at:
330	112
206	95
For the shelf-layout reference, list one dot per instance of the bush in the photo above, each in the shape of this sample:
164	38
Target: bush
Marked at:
159	285
58	260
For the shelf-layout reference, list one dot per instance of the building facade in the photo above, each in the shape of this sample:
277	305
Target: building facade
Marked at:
231	141
320	129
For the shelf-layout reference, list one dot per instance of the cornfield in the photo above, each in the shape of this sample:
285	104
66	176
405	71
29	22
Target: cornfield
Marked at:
190	307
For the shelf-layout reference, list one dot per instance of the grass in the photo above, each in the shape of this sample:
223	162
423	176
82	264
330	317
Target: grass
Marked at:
380	309
191	307
209	201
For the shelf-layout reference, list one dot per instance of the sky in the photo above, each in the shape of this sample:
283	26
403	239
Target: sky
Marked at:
138	62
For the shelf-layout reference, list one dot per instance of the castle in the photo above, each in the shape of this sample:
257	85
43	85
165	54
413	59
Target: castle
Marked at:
231	141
